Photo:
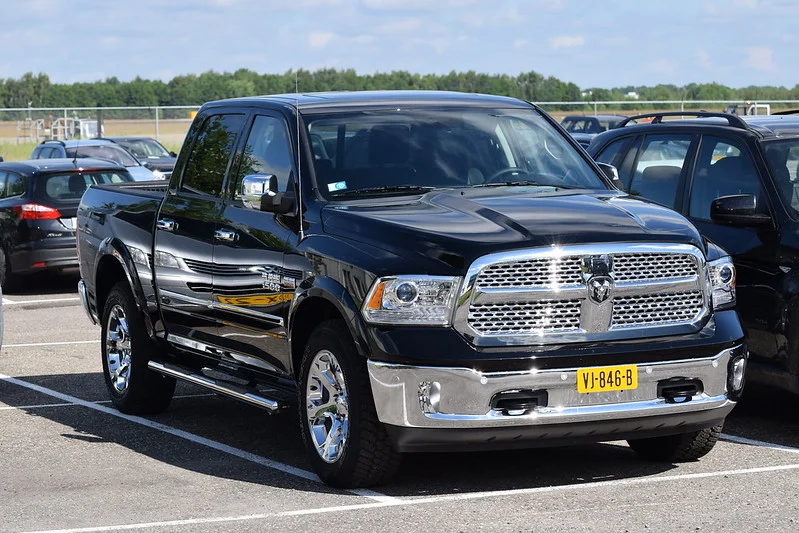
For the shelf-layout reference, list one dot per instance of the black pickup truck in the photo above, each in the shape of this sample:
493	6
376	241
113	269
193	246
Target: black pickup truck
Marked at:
411	271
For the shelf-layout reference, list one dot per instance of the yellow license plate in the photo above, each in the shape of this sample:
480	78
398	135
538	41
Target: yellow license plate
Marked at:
607	378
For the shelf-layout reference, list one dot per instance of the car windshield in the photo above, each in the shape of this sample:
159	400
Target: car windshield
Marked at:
68	187
409	150
113	153
144	148
783	161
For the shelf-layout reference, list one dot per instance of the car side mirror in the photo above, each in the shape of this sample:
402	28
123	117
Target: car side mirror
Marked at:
612	174
173	153
738	210
1	159
259	192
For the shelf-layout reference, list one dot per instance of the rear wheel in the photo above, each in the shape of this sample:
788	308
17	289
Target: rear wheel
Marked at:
126	349
345	442
677	448
8	280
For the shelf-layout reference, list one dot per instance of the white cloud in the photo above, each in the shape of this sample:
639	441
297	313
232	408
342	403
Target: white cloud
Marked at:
363	39
320	39
401	26
663	67
566	41
407	5
704	59
519	43
760	58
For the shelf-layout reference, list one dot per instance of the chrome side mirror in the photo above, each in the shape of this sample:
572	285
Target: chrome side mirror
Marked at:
254	187
612	173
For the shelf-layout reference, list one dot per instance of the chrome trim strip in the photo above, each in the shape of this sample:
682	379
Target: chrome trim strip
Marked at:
463	395
595	319
223	353
183	298
203	381
243	310
84	300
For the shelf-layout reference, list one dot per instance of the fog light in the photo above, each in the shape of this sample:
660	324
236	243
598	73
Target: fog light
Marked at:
429	396
737	373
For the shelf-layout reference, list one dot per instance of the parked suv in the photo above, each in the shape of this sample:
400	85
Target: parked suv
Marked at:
38	204
94	148
737	179
150	153
585	127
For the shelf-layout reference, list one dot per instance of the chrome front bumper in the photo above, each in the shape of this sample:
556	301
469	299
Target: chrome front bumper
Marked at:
84	300
436	397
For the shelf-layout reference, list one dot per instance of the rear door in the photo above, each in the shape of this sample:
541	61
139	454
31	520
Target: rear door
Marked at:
184	235
252	286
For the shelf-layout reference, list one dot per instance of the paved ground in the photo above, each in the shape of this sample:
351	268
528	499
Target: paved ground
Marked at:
69	462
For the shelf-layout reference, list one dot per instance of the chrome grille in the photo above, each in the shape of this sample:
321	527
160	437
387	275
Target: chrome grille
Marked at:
532	273
656	309
647	267
542	316
583	293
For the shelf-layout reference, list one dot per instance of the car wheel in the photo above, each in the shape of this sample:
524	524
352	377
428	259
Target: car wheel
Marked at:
126	349
345	442
8	280
677	448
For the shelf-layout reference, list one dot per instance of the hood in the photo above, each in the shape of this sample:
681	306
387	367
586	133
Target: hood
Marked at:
450	229
164	164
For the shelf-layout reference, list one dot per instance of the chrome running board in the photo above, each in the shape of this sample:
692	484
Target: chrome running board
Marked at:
239	393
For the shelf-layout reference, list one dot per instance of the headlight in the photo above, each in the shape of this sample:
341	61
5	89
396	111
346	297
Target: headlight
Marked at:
722	282
165	259
425	300
138	256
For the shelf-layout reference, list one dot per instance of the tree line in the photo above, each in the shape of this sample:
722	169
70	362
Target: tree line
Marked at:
36	90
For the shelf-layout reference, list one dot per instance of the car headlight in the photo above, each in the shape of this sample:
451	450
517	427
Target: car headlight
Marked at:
722	283
423	300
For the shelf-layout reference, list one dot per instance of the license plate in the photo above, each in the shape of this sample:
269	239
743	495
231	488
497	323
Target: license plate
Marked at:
608	378
70	222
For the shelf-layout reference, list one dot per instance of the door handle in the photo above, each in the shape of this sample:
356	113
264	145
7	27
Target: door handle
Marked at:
226	235
166	224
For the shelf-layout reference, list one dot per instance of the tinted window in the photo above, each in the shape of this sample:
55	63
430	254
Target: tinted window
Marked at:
723	168
144	148
443	148
267	151
69	187
3	176
610	154
783	161
14	185
110	152
657	173
210	155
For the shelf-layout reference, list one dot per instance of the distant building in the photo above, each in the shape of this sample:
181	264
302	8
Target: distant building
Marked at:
631	95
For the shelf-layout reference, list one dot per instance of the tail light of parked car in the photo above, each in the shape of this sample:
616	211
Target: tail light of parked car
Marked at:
36	212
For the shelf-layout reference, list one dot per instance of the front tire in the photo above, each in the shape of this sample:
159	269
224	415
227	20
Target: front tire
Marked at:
345	442
126	349
677	448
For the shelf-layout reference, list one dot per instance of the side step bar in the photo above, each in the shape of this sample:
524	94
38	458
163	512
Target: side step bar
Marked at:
226	389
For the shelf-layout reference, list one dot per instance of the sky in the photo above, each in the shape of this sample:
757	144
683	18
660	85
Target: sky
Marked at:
593	43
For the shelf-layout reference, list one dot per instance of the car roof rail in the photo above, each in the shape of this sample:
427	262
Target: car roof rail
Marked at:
787	112
59	141
657	118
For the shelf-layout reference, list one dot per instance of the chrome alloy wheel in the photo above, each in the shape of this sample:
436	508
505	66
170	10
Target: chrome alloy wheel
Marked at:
117	349
326	403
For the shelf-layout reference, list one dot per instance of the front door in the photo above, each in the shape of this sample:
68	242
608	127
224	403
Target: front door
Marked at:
184	235
253	287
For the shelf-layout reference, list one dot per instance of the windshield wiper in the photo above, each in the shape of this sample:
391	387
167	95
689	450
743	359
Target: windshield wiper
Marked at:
523	183
382	189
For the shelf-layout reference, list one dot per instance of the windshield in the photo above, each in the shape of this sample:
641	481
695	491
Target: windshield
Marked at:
404	151
116	154
144	148
783	161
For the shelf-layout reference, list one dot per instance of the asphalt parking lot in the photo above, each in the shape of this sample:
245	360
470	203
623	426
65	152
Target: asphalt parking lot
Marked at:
70	462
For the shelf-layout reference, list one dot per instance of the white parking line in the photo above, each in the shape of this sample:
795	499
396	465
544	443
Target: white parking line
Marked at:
46	405
759	443
431	499
42	301
29	344
241	454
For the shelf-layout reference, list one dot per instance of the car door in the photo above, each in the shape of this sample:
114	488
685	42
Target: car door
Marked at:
252	286
184	235
725	166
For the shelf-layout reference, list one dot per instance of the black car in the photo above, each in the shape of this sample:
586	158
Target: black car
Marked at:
150	153
94	148
585	127
737	180
38	204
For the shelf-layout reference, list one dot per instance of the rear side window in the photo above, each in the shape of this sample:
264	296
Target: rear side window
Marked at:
211	153
14	186
657	173
112	153
69	187
610	154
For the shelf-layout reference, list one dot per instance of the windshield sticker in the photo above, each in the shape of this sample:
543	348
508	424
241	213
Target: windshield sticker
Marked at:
337	186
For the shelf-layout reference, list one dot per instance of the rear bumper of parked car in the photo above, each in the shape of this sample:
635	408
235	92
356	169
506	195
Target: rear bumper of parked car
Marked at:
44	254
428	407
